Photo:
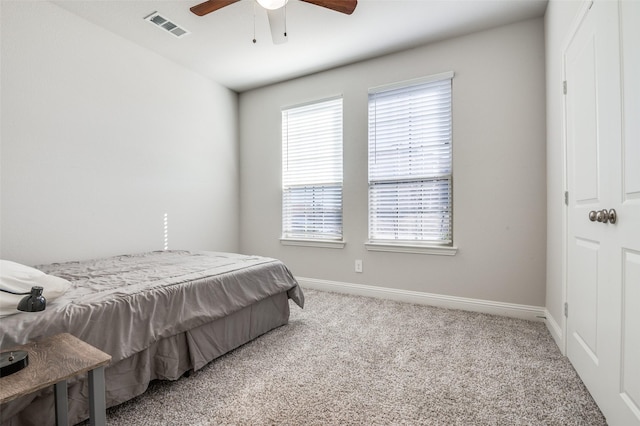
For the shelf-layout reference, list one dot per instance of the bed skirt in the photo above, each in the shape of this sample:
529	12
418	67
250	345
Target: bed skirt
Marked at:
166	359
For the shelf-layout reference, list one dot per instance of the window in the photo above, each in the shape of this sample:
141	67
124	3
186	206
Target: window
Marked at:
410	156
312	171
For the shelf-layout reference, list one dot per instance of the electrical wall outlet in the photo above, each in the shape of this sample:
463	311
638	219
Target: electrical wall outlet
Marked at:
358	265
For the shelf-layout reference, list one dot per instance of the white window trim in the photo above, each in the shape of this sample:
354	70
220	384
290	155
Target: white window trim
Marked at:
333	244
435	77
404	246
299	240
411	248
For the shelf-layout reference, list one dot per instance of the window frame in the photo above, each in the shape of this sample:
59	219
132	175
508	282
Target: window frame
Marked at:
288	236
407	245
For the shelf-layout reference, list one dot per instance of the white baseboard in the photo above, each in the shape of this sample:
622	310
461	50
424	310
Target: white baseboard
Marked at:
533	313
556	331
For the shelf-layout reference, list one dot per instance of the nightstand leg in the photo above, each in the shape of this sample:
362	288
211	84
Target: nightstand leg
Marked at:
97	398
62	405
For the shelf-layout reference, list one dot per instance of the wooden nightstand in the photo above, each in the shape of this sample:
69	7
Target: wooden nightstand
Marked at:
51	362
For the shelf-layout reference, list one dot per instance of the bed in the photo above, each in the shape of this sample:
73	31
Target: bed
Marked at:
158	314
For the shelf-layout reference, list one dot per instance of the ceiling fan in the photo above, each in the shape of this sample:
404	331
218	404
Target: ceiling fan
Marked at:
275	12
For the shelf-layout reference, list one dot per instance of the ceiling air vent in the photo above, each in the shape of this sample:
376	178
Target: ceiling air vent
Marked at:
166	24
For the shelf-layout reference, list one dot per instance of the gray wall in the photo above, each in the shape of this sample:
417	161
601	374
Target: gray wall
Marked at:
499	169
100	138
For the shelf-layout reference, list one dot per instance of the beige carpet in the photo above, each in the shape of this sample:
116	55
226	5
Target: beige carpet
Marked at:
348	360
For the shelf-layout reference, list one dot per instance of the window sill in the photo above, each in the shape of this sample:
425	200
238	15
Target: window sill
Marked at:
411	248
334	244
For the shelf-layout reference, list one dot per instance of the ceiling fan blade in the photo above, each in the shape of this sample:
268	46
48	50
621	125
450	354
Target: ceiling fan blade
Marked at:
277	25
210	6
343	6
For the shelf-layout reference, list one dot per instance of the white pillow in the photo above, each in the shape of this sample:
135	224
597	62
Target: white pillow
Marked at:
19	279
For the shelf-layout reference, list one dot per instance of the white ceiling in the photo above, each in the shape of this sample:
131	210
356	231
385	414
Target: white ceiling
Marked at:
220	44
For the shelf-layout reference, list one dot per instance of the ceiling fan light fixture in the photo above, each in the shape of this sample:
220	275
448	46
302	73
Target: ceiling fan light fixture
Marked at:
272	4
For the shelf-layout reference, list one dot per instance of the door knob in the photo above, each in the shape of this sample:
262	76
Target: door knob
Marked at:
602	216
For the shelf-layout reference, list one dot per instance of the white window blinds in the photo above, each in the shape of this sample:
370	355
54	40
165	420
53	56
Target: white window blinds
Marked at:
410	156
312	171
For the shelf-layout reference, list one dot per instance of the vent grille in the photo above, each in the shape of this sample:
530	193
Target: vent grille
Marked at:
166	24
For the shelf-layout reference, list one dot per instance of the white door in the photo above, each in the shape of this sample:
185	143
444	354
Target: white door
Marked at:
603	173
628	199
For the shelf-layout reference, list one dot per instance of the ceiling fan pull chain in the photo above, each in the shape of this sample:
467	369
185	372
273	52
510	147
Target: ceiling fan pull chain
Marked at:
285	19
254	22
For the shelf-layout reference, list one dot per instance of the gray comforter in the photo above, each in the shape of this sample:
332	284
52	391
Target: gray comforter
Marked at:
125	303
